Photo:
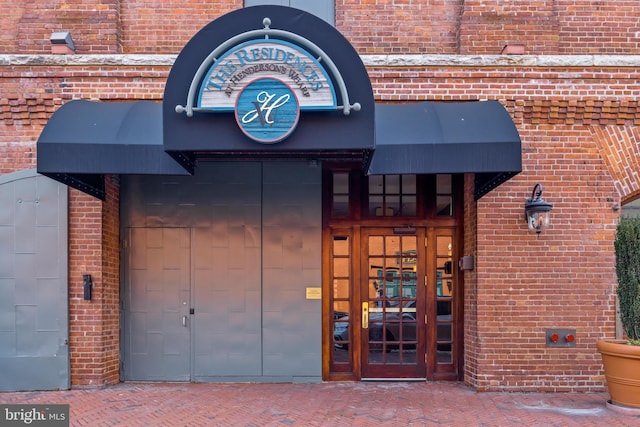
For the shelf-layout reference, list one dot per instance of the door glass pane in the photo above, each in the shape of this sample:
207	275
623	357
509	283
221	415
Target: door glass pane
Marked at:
393	206
409	184
392	195
341	338
392	184
444	207
409	205
375	184
443	354
444	195
392	325
340	304
340	288
444	298
409	266
341	267
340	245
444	332
392	245
443	184
340	205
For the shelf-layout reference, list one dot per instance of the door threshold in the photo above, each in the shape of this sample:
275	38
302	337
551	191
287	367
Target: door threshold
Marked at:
394	379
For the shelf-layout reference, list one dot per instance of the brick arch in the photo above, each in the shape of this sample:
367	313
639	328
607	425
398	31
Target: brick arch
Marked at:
619	147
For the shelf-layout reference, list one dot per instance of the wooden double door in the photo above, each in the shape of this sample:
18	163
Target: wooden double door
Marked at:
394	304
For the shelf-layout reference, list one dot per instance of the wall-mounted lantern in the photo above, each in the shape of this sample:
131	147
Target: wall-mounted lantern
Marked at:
537	211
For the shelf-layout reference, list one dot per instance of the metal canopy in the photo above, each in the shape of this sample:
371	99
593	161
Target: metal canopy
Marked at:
84	140
430	137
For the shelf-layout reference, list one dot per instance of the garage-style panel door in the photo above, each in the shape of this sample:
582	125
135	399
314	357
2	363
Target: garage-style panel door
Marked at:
34	325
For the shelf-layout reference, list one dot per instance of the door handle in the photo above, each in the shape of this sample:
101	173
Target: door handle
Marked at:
365	315
184	321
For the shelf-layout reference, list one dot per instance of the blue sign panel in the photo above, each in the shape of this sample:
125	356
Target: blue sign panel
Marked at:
267	110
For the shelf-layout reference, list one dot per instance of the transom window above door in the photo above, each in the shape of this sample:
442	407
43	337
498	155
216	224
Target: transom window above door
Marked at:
380	196
392	195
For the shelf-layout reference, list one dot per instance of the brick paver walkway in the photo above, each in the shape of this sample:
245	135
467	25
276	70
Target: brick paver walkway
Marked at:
326	404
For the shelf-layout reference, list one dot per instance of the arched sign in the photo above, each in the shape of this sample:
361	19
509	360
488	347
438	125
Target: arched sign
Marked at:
266	58
227	89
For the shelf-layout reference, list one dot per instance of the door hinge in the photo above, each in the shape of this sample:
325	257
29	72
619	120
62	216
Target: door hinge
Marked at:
425	319
425	242
425	280
425	358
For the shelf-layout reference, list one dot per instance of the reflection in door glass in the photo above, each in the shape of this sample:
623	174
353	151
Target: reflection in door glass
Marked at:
444	299
392	324
392	195
444	195
341	337
340	203
340	297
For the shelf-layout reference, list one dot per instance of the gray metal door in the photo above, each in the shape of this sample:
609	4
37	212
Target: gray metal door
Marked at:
156	311
34	319
246	249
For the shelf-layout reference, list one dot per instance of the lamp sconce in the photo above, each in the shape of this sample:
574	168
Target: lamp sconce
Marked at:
536	211
61	42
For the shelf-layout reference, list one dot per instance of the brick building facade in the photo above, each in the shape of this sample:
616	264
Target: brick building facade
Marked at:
573	96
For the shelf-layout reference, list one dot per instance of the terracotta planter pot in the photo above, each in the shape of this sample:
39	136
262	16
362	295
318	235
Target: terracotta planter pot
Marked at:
622	371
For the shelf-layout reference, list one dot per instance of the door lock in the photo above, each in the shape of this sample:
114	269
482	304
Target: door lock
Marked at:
365	315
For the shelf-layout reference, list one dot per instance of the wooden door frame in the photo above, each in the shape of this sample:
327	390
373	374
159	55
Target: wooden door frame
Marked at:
421	301
352	225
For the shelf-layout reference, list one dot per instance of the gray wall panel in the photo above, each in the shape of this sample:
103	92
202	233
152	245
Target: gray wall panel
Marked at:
34	317
256	231
291	323
7	194
7	251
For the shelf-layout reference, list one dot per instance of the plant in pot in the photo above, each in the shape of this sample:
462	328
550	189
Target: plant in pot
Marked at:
621	358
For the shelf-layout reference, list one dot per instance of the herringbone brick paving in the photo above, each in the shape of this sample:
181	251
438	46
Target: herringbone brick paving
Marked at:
325	404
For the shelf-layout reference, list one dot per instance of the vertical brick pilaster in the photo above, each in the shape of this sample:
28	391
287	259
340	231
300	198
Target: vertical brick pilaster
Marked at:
94	324
471	344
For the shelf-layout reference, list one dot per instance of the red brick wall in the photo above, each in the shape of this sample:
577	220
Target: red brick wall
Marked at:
578	126
85	317
598	27
562	278
94	326
372	26
180	20
27	25
487	26
111	282
470	277
404	26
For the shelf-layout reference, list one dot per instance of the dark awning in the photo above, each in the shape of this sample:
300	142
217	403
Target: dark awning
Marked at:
430	137
84	140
